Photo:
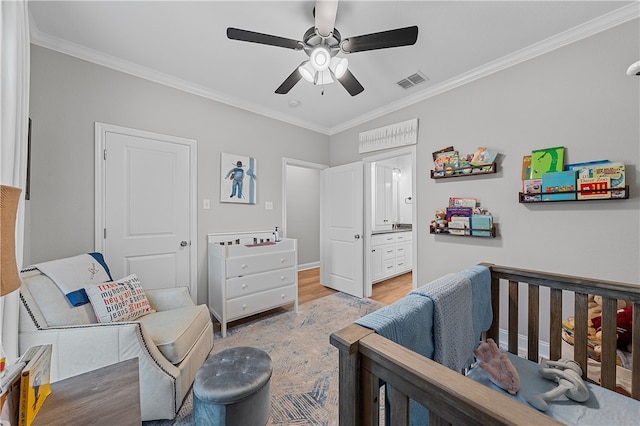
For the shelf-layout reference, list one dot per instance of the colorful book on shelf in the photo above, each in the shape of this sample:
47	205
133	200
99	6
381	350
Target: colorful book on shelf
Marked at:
526	167
585	165
459	225
482	224
462	202
616	173
547	160
484	156
593	188
444	159
532	189
435	154
559	186
459	220
35	383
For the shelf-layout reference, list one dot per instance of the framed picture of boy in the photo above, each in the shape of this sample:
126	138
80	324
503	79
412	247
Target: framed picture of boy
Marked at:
238	179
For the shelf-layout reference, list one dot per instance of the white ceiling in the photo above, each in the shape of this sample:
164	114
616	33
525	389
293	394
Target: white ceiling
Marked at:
184	45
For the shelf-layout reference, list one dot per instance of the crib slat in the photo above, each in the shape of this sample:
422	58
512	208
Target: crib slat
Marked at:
580	331
399	407
533	331
494	329
371	398
608	358
513	318
555	324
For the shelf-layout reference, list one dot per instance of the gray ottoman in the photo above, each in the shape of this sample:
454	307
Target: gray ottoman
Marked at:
232	388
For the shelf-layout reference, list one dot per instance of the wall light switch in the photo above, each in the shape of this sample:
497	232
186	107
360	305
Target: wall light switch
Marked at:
268	205
206	204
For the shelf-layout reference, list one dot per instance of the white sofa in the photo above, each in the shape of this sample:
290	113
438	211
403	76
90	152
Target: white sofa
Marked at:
170	344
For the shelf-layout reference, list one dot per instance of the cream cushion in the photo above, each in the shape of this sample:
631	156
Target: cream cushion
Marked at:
175	332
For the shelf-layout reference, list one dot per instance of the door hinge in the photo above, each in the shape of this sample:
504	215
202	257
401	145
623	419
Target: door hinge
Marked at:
104	154
104	233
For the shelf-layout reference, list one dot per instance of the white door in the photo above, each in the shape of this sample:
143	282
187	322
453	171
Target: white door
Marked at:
148	195
341	256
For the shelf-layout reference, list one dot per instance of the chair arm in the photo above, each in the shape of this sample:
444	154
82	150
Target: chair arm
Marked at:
164	299
78	349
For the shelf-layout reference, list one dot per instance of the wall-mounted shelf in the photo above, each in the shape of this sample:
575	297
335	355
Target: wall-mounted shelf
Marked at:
529	198
492	232
465	171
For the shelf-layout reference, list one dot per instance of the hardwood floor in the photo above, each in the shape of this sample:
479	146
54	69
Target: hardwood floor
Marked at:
310	289
387	292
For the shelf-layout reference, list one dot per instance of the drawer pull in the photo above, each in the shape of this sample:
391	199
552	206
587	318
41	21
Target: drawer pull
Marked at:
282	296
244	286
389	267
282	260
243	266
282	278
244	307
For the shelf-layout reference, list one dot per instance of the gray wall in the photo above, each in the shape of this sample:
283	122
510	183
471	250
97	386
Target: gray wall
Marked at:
303	212
68	95
578	97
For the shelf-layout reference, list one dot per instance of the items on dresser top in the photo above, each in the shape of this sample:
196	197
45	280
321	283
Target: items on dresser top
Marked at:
249	273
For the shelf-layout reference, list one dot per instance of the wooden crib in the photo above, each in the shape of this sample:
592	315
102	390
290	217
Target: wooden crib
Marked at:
365	357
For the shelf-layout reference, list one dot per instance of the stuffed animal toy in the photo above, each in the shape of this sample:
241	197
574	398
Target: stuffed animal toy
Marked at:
568	374
497	366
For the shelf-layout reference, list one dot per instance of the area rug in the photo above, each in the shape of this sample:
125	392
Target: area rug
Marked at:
304	384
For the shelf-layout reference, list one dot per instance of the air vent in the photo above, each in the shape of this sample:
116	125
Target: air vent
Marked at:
412	80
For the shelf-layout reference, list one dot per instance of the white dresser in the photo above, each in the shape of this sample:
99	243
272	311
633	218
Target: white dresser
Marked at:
250	273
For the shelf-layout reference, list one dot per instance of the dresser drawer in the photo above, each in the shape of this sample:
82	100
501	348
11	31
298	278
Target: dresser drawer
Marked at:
400	264
388	266
250	284
399	249
258	302
403	236
245	265
388	251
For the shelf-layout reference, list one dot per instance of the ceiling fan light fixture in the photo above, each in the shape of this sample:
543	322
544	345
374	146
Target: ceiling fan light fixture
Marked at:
339	66
634	69
307	71
320	58
323	77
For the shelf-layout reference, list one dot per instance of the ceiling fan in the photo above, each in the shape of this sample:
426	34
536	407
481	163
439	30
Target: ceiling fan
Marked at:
322	43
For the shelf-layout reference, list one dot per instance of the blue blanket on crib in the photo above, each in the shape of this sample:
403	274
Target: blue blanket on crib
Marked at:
441	320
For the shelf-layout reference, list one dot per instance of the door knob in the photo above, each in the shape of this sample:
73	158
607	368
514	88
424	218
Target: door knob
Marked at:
357	236
183	243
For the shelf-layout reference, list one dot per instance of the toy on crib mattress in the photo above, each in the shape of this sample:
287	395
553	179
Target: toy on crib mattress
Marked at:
497	366
568	374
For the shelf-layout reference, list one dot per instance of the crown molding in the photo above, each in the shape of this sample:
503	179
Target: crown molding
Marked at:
602	23
44	40
597	25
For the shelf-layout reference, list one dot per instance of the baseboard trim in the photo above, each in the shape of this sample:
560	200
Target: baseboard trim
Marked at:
543	347
310	265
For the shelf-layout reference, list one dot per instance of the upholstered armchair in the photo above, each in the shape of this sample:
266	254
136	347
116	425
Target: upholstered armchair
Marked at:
170	343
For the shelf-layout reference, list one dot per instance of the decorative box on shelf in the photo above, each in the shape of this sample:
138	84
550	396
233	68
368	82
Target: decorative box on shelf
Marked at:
469	170
606	194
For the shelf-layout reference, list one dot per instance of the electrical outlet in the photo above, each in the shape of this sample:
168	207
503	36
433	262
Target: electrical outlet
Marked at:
206	204
268	205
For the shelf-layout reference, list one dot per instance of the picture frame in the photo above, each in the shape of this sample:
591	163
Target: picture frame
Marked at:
238	176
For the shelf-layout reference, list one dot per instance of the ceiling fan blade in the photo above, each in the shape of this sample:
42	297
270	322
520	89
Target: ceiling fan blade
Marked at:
382	40
289	82
350	83
325	16
271	40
